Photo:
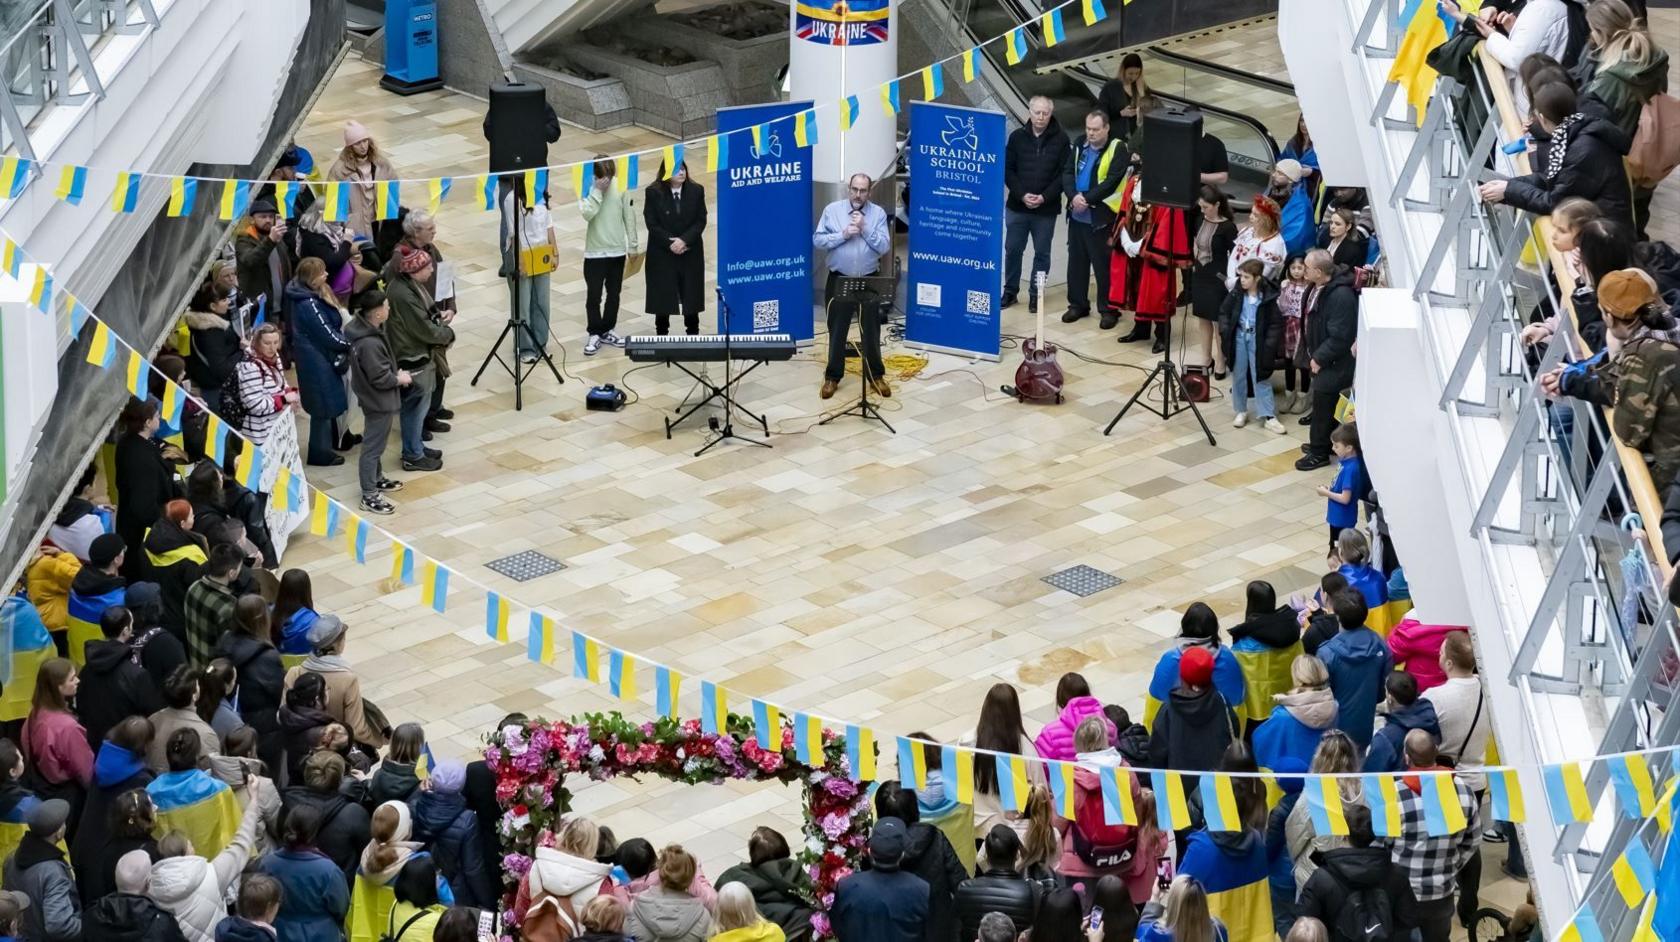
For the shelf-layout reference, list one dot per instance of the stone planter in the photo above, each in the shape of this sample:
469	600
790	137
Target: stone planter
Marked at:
597	104
679	100
749	65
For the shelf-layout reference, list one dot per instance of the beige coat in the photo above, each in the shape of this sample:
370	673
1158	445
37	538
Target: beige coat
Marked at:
344	697
164	724
361	190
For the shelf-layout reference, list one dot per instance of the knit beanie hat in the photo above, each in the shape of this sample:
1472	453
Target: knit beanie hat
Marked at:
1195	667
105	549
355	133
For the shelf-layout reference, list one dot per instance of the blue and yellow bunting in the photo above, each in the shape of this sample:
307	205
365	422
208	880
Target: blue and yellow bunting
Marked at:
1505	796
539	640
971	64
667	691
1566	793
1092	11
1635	788
714	709
1583	928
860	753
323	515
287	485
912	764
14	176
402	563
285	198
889	98
72	185
717	153
356	538
536	182
437	191
1384	800
236	199
1063	789
336	202
1118	806
767	726
1172	810
387	199
1051	24
621	674
933	82
183	193
1633	873
487	192
805	128
1443	813
172	404
586	658
496	617
1219	803
248	467
41	289
135	373
957	766
434	586
126	195
1324	806
215	439
849	109
1015	46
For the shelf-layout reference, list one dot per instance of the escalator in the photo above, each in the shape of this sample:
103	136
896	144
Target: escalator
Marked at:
1062	74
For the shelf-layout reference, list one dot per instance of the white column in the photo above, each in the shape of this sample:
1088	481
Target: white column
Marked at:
835	49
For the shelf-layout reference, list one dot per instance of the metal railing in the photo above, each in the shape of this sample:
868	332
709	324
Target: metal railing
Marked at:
1601	629
47	58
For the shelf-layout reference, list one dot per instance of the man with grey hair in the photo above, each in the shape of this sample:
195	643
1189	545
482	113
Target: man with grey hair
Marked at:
420	231
1033	161
1332	328
996	927
129	913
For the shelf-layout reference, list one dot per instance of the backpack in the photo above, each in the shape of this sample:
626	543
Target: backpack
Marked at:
230	407
1367	916
549	919
1099	844
1656	142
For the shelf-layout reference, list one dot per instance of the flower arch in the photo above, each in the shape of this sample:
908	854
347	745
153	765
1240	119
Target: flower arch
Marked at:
531	763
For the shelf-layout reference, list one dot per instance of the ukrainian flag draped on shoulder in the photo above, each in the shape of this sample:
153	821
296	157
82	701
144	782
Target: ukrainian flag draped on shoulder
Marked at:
198	805
1232	867
1227	679
1265	671
371	897
15	804
25	644
84	610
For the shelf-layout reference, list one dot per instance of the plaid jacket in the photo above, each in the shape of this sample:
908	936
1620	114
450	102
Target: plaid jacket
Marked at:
208	612
1432	863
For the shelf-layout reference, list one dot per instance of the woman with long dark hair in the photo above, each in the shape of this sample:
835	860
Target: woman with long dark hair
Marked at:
261	676
1119	96
1216	235
1000	729
675	212
294	614
1060	918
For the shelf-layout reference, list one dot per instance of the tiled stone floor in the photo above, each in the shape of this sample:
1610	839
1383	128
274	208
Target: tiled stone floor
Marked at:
888	579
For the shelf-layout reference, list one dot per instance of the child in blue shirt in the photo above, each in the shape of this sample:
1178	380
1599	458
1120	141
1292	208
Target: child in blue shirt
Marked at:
1350	487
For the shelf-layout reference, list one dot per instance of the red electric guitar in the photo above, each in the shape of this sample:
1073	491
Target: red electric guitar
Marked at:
1039	376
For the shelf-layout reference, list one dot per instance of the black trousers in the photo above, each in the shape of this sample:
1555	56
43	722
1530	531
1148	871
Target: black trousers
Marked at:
1088	253
1324	399
690	316
840	314
602	277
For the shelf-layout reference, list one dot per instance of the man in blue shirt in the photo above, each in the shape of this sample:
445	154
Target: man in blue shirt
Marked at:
1093	178
854	233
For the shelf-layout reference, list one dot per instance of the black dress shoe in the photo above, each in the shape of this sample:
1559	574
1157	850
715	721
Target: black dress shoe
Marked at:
437	425
1136	336
1007	301
1032	304
1159	346
1304	420
432	453
347	441
1108	321
444	414
1311	462
1074	314
425	434
1218	376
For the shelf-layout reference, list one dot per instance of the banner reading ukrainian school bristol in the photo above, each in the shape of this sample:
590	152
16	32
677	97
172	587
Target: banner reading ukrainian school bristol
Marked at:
764	223
956	229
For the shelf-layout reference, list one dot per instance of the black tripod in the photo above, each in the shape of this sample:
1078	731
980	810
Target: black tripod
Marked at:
864	291
1174	397
727	429
516	323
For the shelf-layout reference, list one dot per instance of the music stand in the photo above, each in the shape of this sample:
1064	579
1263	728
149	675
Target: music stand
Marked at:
864	290
1174	397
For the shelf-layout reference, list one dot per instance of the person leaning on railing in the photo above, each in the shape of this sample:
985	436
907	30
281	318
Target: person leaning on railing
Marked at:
1638	376
1580	156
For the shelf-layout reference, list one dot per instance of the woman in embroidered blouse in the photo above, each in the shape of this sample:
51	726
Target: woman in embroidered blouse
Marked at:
1259	239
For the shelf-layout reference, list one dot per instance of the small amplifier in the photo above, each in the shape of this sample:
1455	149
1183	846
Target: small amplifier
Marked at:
1196	383
608	398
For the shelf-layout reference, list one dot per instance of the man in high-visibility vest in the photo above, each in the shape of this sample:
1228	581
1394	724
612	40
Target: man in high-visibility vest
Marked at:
1093	177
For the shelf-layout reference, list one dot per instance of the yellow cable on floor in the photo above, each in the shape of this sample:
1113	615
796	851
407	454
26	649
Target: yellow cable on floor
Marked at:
899	366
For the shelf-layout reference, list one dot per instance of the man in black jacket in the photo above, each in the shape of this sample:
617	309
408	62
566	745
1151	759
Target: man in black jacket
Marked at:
1363	870
1033	163
1092	176
1581	155
344	824
998	890
1332	329
928	854
117	687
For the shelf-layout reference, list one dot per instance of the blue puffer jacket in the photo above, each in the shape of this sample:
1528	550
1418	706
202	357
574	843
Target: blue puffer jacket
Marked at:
1388	752
444	822
1359	662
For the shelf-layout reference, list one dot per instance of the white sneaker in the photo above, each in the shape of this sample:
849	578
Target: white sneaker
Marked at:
1240	421
1273	425
612	340
592	346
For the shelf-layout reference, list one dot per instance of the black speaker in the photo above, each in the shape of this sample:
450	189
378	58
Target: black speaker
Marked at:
1171	159
514	127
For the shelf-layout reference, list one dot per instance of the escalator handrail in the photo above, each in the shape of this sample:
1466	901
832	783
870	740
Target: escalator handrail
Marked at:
1096	79
1224	71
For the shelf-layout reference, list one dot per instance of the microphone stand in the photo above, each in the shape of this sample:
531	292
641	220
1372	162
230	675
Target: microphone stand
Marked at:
727	430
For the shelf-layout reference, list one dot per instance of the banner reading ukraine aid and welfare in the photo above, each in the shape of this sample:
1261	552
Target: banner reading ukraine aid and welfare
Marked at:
764	222
956	229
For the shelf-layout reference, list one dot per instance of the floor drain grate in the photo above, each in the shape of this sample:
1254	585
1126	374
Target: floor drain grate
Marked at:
523	567
1083	580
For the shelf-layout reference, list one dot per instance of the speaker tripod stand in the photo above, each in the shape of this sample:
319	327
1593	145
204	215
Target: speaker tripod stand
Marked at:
1174	397
516	369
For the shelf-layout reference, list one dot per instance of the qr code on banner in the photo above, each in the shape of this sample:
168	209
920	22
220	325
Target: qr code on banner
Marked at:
767	315
979	302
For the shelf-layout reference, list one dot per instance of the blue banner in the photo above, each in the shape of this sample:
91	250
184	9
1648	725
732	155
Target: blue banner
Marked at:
764	222
956	229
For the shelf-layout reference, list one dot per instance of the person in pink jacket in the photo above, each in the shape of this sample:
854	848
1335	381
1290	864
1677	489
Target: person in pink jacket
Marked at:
1149	843
1417	650
54	743
1074	701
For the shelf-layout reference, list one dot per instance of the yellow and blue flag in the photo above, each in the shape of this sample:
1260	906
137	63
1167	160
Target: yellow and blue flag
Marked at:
248	469
889	98
11	258
1051	23
1172	811
287	485
25	638
285	197
1635	790
621	674
72	185
336	204
1062	787
1324	805
1426	27
487	192
860	752
767	727
1383	797
717	153
912	764
1012	781
586	658
387	198
1093	11
1015	46
808	740
82	620
437	190
183	193
1566	793
434	585
1118	804
214	439
667	691
630	172
671	157
126	196
356	537
14	176
14	821
199	805
1664	920
1443	813
78	314
402	562
714	709
539	641
323	515
174	402
236	199
958	766
1219	803
536	183
1584	927
933	82
41	289
971	64
1505	795
102	351
496	617
805	128
134	375
1633	872
849	108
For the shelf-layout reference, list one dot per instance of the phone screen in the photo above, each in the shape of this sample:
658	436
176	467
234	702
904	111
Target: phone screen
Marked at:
1163	873
1096	917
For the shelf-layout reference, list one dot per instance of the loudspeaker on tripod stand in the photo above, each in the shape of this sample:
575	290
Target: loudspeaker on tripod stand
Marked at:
1171	140
516	127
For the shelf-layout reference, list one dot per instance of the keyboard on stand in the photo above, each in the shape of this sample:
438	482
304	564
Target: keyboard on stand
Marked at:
709	348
